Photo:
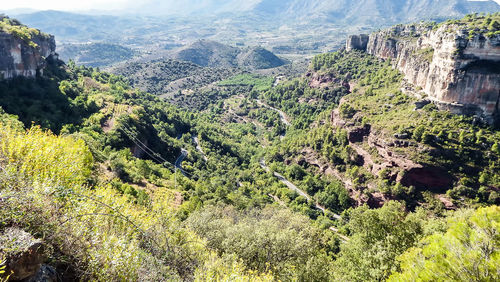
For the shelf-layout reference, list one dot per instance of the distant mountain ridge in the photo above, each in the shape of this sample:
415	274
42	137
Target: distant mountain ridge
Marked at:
329	10
288	27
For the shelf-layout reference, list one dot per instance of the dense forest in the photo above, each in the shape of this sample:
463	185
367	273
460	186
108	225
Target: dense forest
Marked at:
250	179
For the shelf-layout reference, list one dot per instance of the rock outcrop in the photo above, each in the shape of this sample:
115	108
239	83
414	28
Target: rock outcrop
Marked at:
398	167
23	254
357	42
458	71
24	56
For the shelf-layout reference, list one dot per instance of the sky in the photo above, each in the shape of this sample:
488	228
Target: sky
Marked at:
68	5
76	5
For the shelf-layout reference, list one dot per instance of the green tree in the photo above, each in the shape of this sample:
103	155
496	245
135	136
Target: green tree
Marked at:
268	239
468	251
378	237
496	148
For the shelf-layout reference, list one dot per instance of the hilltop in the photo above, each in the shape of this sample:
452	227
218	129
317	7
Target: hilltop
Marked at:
208	53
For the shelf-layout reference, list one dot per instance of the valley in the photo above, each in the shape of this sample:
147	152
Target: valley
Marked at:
228	156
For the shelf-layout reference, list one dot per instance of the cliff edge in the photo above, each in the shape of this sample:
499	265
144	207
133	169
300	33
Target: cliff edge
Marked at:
23	51
456	63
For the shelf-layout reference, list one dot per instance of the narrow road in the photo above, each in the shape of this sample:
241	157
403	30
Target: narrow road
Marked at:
283	116
178	162
198	147
297	189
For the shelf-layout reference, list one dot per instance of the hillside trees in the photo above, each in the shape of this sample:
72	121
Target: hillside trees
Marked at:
467	251
377	238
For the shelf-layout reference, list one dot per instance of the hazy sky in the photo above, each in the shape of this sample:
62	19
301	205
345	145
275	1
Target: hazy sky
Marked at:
67	4
75	4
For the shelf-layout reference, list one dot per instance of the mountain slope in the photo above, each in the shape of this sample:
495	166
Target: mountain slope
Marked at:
332	10
94	54
208	53
163	76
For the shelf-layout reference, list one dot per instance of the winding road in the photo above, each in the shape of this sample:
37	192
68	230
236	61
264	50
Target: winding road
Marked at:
178	162
283	116
198	147
297	189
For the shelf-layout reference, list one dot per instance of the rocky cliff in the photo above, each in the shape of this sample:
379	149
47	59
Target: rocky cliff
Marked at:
456	66
23	50
357	42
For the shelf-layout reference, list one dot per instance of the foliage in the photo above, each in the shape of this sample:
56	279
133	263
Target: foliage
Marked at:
21	31
98	233
377	238
259	83
455	143
265	240
228	268
105	197
94	54
160	77
302	102
478	24
468	251
426	53
45	158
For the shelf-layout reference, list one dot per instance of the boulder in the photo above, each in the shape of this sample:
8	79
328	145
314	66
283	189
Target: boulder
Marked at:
46	273
23	253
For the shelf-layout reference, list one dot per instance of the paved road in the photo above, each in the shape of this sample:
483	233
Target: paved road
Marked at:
283	116
198	147
285	181
178	162
297	189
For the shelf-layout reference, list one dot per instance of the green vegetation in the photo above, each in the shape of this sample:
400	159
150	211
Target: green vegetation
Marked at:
454	143
272	240
21	31
378	237
88	165
468	251
426	53
302	102
97	232
259	83
94	54
482	24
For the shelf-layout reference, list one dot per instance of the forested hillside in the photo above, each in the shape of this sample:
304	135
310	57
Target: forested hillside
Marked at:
336	175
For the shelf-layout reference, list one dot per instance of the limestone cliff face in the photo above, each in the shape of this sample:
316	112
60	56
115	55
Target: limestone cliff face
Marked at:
19	58
357	42
459	73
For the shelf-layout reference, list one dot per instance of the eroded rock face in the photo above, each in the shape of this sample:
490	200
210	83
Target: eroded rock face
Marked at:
18	58
436	179
398	166
457	73
23	253
357	42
